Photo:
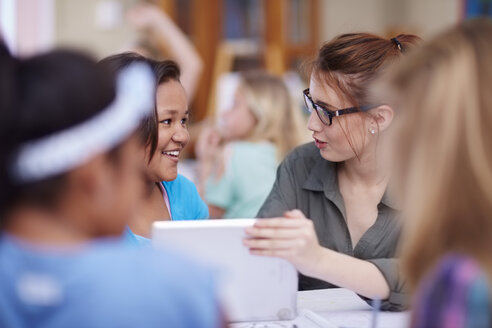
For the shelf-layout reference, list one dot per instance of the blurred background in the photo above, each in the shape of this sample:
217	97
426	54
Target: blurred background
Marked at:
227	35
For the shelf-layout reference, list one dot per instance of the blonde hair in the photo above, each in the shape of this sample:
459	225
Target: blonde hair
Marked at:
443	147
279	119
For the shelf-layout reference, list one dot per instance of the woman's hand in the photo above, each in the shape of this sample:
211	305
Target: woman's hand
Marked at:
292	238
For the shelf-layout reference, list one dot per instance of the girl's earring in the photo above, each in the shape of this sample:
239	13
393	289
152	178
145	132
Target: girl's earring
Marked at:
372	131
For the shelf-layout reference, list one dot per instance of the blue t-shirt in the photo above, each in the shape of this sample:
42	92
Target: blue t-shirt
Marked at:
104	283
184	202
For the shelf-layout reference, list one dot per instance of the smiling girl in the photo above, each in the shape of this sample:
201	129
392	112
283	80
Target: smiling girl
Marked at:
170	196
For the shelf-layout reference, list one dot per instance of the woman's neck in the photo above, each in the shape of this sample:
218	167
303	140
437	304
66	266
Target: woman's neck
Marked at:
365	170
40	226
150	187
152	208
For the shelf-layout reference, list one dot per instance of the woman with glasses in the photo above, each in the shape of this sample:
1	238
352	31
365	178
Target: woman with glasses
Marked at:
331	215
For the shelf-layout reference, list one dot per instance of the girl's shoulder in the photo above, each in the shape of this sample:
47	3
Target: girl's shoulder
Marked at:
181	183
184	199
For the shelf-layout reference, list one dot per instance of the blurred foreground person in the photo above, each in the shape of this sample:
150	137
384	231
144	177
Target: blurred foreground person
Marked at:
70	183
443	152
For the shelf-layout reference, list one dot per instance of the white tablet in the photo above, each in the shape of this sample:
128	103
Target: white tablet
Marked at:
253	288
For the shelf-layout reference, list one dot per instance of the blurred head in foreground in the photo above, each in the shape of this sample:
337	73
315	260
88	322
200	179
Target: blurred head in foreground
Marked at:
68	141
443	139
442	148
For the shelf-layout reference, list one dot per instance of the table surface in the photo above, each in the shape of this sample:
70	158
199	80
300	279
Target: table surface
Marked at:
344	308
334	308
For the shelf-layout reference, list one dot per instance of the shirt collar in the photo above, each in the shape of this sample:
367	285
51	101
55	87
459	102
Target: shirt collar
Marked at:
323	177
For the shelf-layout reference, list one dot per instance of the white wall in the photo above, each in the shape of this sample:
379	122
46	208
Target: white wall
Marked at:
431	17
42	23
345	16
97	26
27	25
386	17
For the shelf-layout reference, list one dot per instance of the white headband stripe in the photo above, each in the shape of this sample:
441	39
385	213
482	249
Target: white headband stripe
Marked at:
65	150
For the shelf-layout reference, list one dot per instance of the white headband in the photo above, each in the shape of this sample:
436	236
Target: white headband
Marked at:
67	149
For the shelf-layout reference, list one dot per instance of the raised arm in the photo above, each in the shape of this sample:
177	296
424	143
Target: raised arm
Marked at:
171	40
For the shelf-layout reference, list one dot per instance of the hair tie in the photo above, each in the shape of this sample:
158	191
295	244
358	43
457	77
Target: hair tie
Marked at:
397	43
64	150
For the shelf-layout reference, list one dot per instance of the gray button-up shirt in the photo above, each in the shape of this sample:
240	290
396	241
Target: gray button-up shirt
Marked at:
309	183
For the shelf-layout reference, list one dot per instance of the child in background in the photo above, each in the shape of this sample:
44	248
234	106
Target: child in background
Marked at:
70	183
443	153
239	158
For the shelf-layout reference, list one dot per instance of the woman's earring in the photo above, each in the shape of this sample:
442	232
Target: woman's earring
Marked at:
372	131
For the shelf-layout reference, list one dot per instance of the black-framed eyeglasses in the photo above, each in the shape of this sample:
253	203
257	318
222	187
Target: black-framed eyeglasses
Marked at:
325	115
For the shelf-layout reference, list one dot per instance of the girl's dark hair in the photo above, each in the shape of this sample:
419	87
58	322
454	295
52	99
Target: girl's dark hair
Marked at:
164	71
40	96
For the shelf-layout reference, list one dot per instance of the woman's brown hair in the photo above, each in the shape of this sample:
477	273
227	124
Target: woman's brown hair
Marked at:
351	62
